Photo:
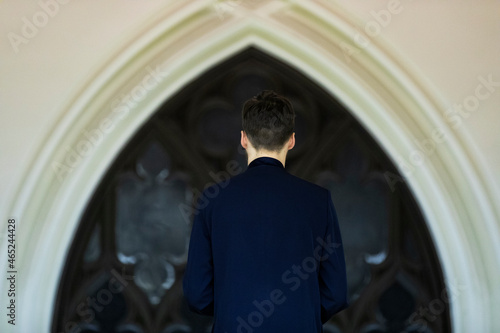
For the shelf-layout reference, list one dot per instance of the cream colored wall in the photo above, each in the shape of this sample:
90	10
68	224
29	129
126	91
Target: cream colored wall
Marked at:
42	72
445	46
451	43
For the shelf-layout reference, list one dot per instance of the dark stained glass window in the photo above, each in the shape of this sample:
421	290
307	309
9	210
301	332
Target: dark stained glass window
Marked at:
124	270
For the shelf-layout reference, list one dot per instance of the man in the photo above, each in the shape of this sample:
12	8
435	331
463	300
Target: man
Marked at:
266	253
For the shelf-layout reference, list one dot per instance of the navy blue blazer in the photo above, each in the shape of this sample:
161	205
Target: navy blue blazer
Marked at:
266	254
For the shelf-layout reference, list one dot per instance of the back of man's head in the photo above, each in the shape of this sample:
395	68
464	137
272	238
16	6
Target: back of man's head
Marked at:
268	120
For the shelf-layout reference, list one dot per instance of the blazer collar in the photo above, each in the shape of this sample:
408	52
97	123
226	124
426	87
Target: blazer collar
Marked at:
265	161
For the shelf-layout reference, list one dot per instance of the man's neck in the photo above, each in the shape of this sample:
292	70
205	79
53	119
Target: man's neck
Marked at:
254	154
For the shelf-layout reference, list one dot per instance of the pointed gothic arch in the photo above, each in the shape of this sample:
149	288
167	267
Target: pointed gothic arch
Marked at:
137	223
375	88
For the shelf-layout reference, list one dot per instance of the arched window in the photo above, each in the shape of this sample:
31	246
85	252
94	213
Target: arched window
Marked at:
124	270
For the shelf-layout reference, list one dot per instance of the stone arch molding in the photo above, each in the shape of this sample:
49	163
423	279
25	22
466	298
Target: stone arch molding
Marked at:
183	40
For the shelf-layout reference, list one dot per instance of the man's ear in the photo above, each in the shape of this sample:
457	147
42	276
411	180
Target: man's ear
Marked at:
291	141
244	140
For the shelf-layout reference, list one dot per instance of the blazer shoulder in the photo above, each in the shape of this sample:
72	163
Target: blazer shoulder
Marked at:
309	186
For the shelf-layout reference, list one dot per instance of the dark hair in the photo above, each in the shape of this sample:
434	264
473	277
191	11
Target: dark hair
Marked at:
268	120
